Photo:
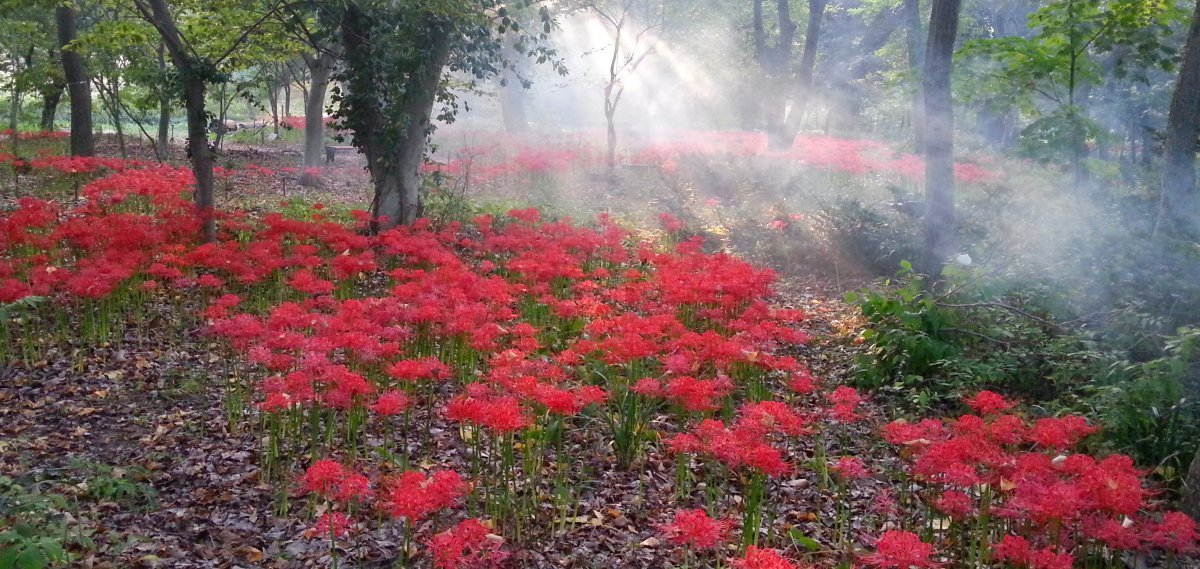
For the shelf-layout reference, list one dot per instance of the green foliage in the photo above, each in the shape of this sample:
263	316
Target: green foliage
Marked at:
106	483
1150	409
930	346
908	338
33	527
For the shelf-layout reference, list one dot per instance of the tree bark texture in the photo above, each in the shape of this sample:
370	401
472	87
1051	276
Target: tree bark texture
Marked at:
394	165
939	136
1177	204
804	78
319	69
50	100
1190	504
78	85
916	60
194	87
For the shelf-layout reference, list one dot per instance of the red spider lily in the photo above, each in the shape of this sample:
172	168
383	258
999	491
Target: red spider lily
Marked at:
323	476
697	395
390	403
413	495
332	524
761	558
849	468
901	550
499	414
332	480
1175	533
670	223
988	403
955	504
694	528
469	545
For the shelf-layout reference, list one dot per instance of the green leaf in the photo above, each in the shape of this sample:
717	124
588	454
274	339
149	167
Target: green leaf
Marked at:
801	539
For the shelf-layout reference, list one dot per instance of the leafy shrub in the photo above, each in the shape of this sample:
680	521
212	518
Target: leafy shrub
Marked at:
931	346
1150	409
34	527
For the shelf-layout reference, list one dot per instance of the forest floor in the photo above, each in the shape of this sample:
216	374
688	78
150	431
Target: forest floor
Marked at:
135	434
136	437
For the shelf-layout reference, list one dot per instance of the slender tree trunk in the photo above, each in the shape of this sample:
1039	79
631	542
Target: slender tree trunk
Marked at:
939	133
273	98
83	142
197	118
202	158
287	102
14	108
50	100
222	115
916	61
1177	203
319	69
512	94
110	99
803	92
164	108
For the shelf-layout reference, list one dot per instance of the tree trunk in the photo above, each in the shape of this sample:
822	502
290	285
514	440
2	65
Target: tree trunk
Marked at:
197	119
287	103
222	114
78	85
939	137
1190	504
319	69
50	100
512	93
916	60
398	191
110	97
14	109
1177	202
394	164
808	60
164	108
202	158
273	98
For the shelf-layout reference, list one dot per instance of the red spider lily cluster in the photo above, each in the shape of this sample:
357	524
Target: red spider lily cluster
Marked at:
522	341
509	160
35	134
1056	505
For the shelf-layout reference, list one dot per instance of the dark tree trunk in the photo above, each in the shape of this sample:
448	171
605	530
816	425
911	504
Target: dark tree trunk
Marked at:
774	63
164	108
1177	204
939	137
397	192
916	61
50	100
193	101
1190	504
394	165
202	158
784	137
78	85
319	69
287	102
